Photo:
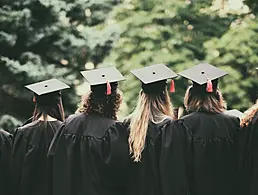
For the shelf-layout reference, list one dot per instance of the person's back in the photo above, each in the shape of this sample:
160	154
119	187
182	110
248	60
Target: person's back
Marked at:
79	166
81	150
206	140
151	116
144	176
31	170
212	154
5	153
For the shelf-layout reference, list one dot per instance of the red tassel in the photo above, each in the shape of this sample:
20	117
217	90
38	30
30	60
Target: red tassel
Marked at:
108	88
172	86
34	99
209	87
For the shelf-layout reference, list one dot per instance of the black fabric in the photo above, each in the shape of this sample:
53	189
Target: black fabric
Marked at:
30	168
101	90
48	99
144	177
155	87
249	160
5	153
201	89
201	155
89	157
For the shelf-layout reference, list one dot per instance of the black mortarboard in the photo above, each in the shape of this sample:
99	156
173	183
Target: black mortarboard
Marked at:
48	86
201	72
154	77
204	73
47	92
153	73
235	113
103	79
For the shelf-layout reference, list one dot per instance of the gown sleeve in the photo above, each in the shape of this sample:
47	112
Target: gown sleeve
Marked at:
17	158
5	154
115	155
173	160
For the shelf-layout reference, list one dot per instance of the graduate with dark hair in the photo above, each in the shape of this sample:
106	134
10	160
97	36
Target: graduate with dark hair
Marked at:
206	140
83	155
5	154
30	169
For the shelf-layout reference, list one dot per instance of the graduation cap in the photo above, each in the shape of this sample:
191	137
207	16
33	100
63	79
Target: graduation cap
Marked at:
203	73
235	113
44	90
154	76
48	86
100	77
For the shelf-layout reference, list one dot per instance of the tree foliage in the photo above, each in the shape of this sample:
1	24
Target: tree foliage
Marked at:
42	39
170	32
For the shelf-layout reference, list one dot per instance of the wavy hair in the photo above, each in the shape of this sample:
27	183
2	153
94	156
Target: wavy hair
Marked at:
150	107
249	115
104	105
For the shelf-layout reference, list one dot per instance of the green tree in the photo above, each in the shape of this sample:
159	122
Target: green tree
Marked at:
42	39
171	32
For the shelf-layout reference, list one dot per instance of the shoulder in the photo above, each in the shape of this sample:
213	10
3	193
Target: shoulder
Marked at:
75	118
5	136
87	125
26	128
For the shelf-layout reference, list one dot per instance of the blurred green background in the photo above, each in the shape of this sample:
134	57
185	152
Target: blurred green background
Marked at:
41	39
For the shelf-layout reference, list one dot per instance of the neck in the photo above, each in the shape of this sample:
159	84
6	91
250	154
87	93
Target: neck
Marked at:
49	118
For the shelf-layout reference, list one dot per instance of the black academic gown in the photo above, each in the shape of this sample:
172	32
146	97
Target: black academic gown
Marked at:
88	157
200	155
249	160
144	176
5	153
30	167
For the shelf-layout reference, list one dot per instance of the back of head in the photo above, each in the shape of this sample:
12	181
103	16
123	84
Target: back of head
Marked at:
153	105
198	99
49	105
98	102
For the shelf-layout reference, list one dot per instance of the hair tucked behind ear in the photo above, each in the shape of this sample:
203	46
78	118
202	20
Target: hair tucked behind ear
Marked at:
149	108
249	114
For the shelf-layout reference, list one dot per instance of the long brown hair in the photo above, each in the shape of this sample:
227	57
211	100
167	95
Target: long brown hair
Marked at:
50	104
203	101
148	107
104	105
249	114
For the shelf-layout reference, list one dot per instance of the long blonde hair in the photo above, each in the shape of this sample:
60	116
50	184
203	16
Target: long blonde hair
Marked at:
150	107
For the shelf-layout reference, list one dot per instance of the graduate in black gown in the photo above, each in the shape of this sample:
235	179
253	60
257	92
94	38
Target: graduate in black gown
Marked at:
82	153
30	168
5	154
152	115
249	161
208	140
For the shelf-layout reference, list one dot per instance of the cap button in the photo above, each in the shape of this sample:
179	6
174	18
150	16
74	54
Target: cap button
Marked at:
153	72
45	85
202	72
103	75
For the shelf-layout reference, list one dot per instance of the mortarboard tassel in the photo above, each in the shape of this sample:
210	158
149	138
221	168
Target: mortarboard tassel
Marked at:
209	87
34	99
172	86
108	88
